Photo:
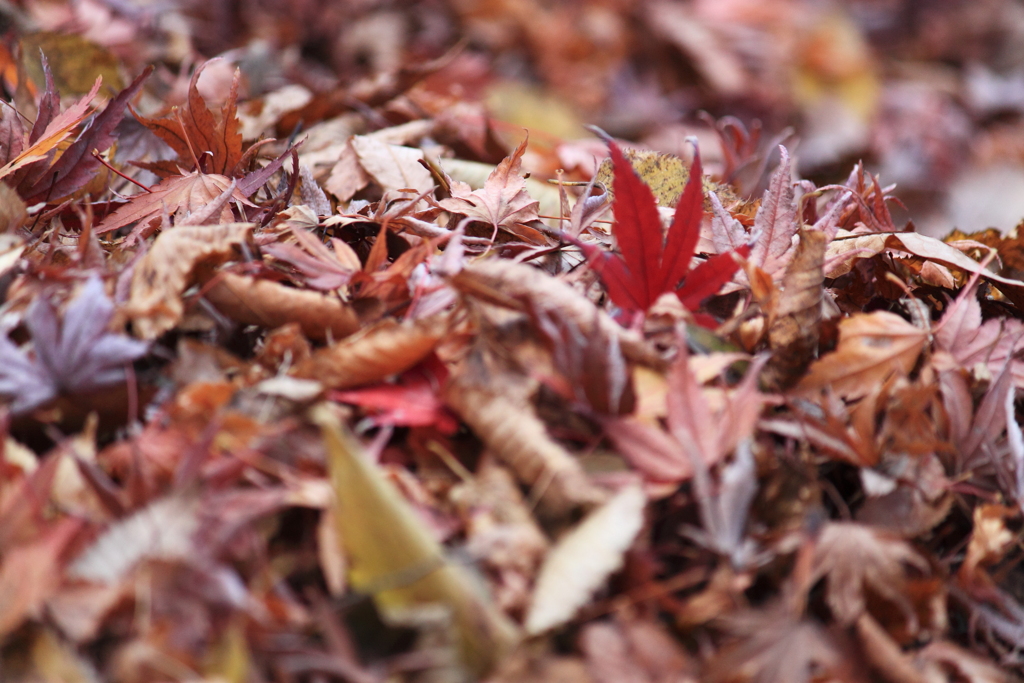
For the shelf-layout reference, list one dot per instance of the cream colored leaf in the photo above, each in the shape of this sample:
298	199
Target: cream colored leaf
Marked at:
582	561
393	167
162	530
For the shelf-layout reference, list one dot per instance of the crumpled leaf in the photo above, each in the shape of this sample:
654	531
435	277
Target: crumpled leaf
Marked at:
253	301
520	286
503	202
379	351
793	335
72	356
168	269
582	560
496	405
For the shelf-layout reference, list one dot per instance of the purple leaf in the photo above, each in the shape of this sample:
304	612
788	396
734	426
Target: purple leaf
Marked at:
75	356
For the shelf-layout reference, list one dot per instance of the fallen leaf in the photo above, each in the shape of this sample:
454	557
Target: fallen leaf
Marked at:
872	346
170	267
393	167
503	203
793	335
857	560
252	301
30	574
186	194
162	530
195	132
497	408
76	355
379	351
651	264
394	557
581	562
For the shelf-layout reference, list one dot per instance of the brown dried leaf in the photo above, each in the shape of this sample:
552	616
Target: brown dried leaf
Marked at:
187	194
857	560
387	348
872	346
519	286
195	131
497	408
503	202
169	268
393	167
793	336
919	245
250	301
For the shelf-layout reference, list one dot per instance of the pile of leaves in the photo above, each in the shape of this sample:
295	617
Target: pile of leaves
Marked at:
373	403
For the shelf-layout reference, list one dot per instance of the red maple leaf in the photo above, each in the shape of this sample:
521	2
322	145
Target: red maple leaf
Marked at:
652	264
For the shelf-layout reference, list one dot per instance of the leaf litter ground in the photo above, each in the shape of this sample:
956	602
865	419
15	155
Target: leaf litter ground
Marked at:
370	402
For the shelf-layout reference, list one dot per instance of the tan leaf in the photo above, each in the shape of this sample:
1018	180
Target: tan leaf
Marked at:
393	167
582	560
261	302
387	348
503	202
497	408
872	346
793	336
169	268
855	560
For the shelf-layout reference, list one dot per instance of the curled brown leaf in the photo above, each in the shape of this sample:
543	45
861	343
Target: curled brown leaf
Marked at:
251	301
387	348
